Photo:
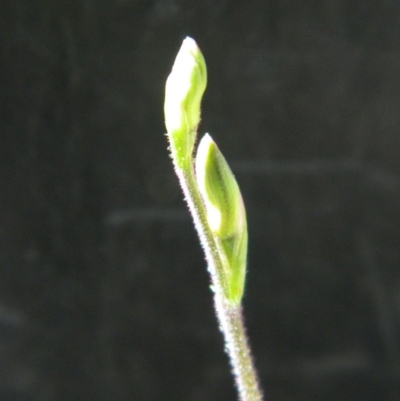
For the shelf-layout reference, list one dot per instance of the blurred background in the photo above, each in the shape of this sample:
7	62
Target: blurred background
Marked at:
104	293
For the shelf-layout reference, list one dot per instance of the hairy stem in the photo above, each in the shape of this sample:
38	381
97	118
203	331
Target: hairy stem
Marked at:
231	319
229	314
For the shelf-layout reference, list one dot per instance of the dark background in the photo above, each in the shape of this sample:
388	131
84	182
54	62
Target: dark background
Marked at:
104	293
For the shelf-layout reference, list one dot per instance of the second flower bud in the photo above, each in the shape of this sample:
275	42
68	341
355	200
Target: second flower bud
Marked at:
226	215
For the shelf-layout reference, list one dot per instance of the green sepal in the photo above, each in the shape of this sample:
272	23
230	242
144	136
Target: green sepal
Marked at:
183	93
226	215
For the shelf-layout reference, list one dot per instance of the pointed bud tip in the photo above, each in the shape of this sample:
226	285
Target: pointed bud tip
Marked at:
190	44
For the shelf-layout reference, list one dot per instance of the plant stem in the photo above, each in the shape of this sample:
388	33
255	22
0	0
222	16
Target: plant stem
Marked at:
231	319
229	315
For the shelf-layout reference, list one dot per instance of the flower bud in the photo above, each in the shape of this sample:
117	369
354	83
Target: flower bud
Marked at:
183	93
226	215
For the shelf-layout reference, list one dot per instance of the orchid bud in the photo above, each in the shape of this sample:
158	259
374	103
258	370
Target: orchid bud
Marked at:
183	93
226	215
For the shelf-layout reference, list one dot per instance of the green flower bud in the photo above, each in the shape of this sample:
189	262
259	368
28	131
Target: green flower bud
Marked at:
183	93
226	215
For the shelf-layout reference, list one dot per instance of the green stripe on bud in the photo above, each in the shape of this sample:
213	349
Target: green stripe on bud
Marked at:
226	215
183	93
